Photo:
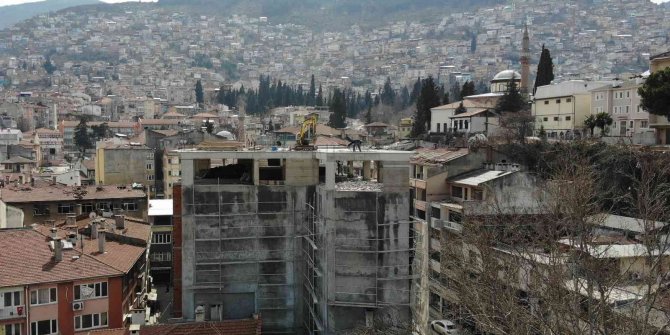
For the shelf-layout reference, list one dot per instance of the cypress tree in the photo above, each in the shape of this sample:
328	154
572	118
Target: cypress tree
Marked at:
545	70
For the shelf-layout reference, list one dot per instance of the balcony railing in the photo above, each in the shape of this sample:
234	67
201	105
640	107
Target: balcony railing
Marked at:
419	204
457	227
12	312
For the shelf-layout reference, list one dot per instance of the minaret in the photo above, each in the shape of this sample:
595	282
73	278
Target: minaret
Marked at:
525	61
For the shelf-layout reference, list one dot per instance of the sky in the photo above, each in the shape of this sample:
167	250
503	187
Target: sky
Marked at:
14	2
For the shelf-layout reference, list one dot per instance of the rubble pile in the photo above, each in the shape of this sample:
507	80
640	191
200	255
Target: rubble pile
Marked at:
359	186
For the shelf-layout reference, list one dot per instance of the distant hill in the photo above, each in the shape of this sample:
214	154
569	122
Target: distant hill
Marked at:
330	14
10	15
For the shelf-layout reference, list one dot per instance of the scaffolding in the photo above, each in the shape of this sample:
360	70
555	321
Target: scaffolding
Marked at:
248	245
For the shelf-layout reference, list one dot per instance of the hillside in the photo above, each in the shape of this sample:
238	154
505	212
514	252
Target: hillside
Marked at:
10	15
330	14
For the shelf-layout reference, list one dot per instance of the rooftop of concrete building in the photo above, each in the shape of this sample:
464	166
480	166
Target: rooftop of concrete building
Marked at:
343	154
121	144
46	191
160	207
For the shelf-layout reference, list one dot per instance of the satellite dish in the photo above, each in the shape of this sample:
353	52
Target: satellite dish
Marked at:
92	215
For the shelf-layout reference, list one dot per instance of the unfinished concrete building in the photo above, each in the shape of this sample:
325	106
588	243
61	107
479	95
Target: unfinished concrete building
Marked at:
315	241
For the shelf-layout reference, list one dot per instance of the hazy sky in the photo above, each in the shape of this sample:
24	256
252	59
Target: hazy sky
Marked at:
14	2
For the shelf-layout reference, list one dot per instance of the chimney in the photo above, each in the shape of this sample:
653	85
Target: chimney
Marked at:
120	221
101	242
58	250
54	233
94	230
71	219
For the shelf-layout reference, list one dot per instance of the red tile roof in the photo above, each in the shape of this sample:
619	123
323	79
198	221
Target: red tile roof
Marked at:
27	259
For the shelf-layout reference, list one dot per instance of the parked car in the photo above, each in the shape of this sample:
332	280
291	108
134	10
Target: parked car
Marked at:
445	327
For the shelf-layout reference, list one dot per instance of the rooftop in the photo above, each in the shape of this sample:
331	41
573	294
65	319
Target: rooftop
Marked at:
440	156
48	192
27	259
479	177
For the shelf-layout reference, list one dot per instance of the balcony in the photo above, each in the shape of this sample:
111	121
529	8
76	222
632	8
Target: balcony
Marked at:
435	244
435	265
420	205
453	226
12	312
418	183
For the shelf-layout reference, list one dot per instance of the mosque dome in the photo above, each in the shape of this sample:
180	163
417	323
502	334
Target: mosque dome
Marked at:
507	75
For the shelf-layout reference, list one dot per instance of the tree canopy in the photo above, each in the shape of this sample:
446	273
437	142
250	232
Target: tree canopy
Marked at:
199	93
338	108
82	138
655	93
428	98
512	100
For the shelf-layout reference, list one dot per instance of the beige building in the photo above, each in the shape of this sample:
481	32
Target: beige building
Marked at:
405	127
118	161
622	102
171	172
561	109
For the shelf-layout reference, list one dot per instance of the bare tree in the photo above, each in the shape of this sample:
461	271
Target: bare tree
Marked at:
557	271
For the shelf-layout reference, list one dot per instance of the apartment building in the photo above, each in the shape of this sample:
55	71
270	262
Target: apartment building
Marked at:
42	201
561	109
160	217
120	161
622	102
315	241
171	172
65	280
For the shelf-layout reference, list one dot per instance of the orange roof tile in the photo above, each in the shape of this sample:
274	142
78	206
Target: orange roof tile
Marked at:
27	259
229	327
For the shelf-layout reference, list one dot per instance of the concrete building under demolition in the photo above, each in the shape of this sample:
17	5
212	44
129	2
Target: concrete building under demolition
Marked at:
314	241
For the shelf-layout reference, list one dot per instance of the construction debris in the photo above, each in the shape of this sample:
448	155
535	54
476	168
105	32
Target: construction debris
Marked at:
359	186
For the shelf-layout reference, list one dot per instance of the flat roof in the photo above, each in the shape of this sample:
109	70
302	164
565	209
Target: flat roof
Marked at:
328	154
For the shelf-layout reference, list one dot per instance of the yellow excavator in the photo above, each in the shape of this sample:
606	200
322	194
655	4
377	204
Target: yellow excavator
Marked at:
307	135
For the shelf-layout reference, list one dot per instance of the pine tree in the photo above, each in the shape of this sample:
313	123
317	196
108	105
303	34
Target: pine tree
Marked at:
468	89
368	115
545	70
199	93
428	99
655	93
512	100
461	109
311	95
338	110
319	97
388	94
82	138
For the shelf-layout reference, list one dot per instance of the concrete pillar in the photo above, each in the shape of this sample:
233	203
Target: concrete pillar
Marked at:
366	170
350	167
331	168
256	172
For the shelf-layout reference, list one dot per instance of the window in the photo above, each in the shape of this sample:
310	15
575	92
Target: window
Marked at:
150	166
14	329
129	206
105	206
150	177
558	101
555	118
568	100
546	102
477	194
457	192
568	118
466	124
44	327
444	125
87	208
627	94
546	119
627	109
43	296
631	124
161	256
644	124
41	210
438	127
65	208
10	299
89	321
90	291
161	238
